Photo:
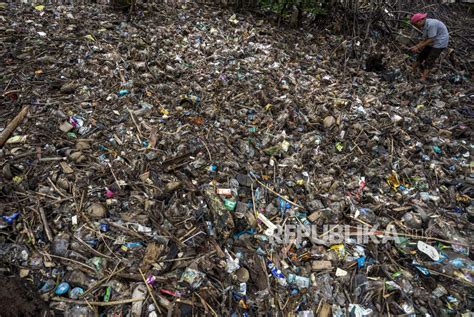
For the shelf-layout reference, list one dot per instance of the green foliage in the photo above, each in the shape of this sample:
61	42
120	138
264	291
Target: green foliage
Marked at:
277	6
318	11
406	23
285	7
316	7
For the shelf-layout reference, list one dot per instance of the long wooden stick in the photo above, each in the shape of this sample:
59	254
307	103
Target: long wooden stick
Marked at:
67	259
80	302
98	283
149	290
12	125
49	234
275	193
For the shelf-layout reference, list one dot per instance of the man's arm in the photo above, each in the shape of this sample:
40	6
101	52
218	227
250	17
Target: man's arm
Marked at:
418	47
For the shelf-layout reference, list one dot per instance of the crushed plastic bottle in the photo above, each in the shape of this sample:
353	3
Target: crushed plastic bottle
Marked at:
299	281
138	292
60	244
78	311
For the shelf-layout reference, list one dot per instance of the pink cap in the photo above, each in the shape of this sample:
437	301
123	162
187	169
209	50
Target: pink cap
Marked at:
418	17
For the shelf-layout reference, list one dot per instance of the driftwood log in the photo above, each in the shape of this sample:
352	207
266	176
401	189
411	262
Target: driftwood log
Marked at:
13	125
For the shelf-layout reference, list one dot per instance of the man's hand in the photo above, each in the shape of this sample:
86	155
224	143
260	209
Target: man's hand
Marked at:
415	49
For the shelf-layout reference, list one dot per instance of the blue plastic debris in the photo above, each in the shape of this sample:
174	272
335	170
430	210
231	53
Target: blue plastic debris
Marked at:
47	286
437	149
62	288
123	92
421	268
361	262
10	219
133	244
284	205
104	227
213	168
76	292
281	279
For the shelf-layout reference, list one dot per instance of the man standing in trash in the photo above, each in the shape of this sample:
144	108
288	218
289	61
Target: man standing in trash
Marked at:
435	40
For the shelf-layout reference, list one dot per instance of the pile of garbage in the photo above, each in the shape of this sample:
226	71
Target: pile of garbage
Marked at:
198	161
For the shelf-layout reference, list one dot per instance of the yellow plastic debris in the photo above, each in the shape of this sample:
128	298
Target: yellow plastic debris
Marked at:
17	139
90	37
340	249
393	180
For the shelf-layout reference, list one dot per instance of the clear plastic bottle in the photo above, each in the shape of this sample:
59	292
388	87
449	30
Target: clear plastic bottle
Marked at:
78	311
60	244
299	281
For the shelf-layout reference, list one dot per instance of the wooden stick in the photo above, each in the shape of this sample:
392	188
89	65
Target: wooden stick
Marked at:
149	290
451	277
99	282
81	302
275	193
13	125
113	174
56	189
207	149
407	235
92	249
255	212
207	304
71	260
136	125
49	234
189	257
194	235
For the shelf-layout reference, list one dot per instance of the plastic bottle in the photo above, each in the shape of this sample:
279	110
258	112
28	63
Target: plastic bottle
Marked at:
60	244
137	307
62	288
299	281
277	273
76	292
78	311
47	286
